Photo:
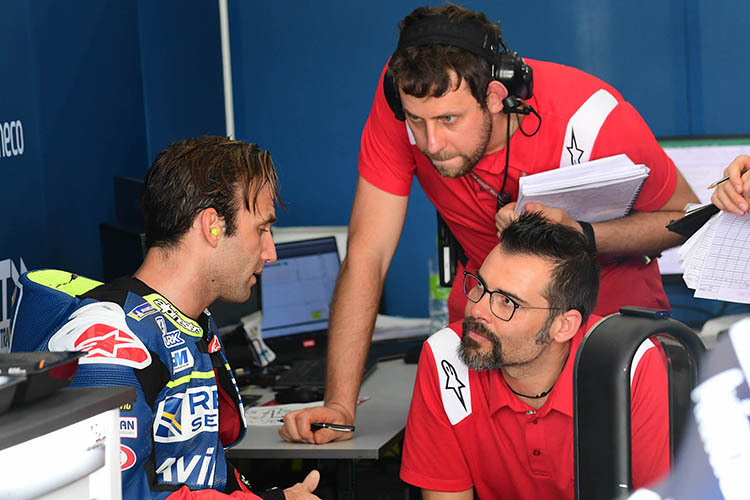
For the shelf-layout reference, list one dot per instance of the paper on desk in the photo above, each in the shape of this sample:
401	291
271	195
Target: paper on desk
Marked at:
270	415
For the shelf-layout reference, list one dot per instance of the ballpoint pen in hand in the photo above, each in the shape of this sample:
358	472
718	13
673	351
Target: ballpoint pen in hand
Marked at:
325	425
742	172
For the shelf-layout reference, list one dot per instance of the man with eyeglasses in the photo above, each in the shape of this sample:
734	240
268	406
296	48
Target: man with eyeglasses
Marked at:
492	410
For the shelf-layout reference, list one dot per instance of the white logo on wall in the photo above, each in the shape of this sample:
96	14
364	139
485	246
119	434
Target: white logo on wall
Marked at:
8	281
11	139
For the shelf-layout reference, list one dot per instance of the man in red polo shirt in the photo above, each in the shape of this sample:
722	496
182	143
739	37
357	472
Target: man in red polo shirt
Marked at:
492	410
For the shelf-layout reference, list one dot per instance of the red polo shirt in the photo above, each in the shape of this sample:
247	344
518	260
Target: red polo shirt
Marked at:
467	429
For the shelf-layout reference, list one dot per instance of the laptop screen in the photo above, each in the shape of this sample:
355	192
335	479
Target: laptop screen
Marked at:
296	290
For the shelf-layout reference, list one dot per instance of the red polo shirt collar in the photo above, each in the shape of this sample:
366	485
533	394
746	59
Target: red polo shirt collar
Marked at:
561	397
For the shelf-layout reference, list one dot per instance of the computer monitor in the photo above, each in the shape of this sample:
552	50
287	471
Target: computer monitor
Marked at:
702	161
296	292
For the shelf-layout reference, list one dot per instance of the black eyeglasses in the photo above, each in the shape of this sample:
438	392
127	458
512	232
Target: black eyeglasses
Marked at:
501	306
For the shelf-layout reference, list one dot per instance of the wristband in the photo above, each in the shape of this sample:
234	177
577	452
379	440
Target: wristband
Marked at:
588	232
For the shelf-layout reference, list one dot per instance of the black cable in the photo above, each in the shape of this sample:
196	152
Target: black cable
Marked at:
513	105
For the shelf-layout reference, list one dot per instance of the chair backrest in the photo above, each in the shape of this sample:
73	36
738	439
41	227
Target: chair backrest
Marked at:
601	394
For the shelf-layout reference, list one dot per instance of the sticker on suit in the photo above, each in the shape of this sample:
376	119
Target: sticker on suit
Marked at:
182	416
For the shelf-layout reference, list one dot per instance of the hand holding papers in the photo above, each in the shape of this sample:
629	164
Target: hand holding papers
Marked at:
715	260
594	191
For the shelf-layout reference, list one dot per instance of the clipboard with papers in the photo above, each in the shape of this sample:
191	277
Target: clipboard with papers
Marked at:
714	260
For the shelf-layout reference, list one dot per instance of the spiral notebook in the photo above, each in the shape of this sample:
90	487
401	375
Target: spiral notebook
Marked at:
594	191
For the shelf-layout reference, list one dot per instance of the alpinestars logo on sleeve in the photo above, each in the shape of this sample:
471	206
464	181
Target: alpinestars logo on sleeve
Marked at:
452	381
105	343
575	153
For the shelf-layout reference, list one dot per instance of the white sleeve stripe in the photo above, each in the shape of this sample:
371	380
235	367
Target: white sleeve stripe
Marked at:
645	346
453	375
583	128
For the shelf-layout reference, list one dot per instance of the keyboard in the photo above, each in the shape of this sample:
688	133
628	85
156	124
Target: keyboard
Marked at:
312	373
305	372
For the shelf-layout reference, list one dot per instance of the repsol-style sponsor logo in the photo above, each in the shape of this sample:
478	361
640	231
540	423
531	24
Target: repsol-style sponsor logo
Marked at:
128	427
141	311
127	457
180	417
182	359
11	139
186	469
172	313
9	275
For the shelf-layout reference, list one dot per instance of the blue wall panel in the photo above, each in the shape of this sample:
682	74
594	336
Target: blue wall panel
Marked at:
91	119
721	45
78	74
22	201
180	56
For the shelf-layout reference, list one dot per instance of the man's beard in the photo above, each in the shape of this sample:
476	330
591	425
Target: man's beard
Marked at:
469	353
469	160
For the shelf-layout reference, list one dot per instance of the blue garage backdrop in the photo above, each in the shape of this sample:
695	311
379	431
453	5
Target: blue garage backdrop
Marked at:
90	89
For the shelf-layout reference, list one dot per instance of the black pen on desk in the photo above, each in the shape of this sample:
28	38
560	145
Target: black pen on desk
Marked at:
325	425
742	172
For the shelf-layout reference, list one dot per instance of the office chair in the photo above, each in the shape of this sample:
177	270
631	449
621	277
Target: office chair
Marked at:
601	395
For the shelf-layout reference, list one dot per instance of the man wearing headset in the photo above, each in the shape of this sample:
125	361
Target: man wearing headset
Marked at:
467	117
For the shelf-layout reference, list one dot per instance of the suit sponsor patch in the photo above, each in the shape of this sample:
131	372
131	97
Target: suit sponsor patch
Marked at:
141	311
128	427
182	359
100	329
127	457
187	326
105	344
182	416
191	469
214	345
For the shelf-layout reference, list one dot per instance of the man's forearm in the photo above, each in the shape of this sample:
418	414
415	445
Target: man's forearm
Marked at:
640	233
353	312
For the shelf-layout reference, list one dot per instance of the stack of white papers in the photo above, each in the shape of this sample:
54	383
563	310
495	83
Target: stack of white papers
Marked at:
594	191
716	260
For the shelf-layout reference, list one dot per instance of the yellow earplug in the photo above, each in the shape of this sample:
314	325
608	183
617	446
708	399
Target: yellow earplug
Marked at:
214	231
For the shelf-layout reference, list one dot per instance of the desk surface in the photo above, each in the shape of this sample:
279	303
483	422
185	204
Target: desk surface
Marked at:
60	409
380	422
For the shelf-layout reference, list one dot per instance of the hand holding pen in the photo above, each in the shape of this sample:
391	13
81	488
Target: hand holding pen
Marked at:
325	425
734	196
316	425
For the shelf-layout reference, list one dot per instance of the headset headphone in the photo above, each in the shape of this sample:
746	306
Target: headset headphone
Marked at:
506	66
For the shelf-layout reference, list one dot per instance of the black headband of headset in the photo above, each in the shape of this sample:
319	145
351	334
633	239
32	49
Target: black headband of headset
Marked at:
439	29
